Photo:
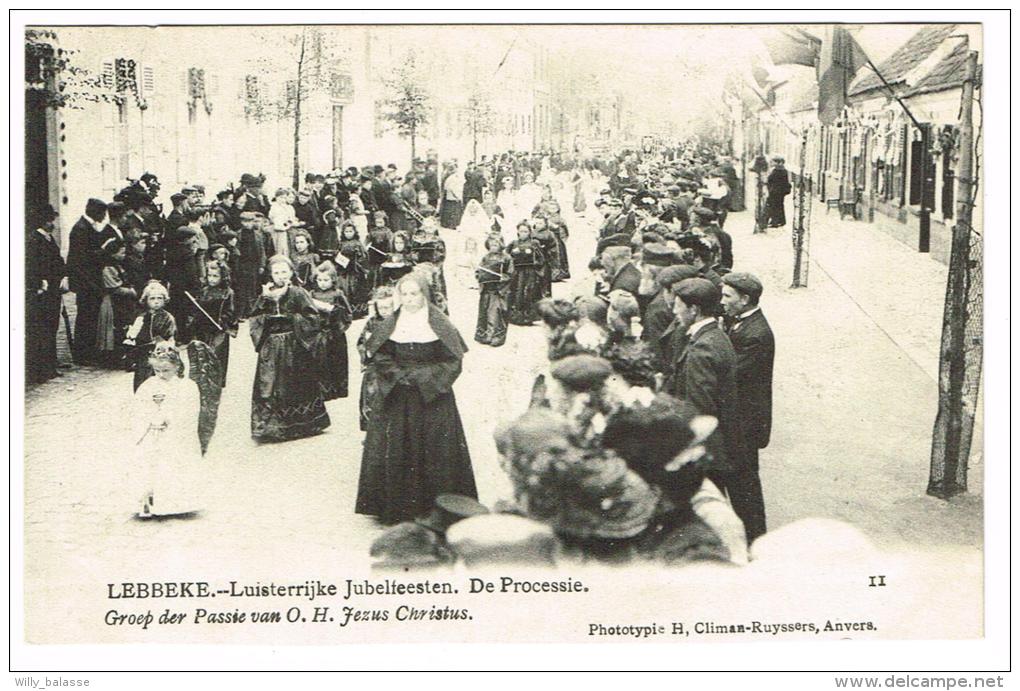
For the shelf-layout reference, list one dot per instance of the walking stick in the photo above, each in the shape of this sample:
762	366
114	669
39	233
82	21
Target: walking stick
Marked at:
207	316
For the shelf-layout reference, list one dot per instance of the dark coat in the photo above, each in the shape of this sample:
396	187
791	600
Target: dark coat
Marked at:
725	245
705	376
430	183
474	183
82	263
778	182
627	278
111	233
43	263
755	349
658	316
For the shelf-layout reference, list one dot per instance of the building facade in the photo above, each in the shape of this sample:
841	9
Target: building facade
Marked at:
876	155
202	105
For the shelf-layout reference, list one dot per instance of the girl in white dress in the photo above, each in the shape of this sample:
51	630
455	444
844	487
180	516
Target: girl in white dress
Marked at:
168	453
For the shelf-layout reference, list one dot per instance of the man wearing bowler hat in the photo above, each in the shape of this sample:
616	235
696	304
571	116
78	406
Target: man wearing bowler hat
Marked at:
755	348
44	282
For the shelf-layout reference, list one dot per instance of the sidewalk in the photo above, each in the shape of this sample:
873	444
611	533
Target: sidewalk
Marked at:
856	383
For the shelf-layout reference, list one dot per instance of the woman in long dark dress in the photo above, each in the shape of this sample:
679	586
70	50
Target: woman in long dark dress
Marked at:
415	447
561	272
352	268
526	284
546	240
335	317
218	324
286	401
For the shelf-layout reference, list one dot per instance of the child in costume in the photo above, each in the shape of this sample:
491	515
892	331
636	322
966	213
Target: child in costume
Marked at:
335	318
493	275
152	326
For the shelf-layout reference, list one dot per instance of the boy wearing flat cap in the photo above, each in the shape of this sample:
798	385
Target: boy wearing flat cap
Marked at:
755	349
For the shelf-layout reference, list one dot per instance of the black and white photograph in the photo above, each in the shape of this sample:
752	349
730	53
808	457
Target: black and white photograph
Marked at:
379	331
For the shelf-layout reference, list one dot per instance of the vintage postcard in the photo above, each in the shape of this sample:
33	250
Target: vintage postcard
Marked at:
532	333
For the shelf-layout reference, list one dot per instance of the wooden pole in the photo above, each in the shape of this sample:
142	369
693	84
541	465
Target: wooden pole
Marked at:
799	277
954	422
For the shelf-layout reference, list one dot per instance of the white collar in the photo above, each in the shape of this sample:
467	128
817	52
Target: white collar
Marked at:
749	312
413	327
699	325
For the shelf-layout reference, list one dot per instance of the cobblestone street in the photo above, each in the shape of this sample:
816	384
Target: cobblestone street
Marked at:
846	444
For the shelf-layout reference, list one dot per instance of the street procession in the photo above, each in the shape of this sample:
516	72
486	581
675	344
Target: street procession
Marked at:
555	333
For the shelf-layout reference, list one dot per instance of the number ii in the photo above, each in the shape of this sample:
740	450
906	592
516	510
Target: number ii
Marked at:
876	581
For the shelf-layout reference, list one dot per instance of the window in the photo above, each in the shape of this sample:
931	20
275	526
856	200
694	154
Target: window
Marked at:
121	145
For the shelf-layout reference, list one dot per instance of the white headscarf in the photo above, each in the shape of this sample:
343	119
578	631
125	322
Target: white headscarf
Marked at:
413	327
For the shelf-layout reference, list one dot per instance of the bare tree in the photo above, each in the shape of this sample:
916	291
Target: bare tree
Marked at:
481	116
407	102
306	64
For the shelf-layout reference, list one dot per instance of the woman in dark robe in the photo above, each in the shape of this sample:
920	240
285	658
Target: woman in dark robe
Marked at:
778	184
352	269
251	259
334	319
218	323
379	309
305	260
526	282
493	274
379	245
286	401
546	239
558	227
329	238
415	448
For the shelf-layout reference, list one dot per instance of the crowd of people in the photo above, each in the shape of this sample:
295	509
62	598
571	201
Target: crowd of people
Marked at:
641	442
642	438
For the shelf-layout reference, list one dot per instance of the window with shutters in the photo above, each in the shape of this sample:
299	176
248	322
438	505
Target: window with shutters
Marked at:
123	131
252	98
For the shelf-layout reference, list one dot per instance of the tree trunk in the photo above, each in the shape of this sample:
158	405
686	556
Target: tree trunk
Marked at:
414	134
297	114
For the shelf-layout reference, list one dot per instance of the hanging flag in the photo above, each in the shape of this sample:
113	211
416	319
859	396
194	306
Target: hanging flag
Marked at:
838	62
789	45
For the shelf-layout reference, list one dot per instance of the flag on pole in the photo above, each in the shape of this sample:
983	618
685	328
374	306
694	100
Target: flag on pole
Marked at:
839	59
788	45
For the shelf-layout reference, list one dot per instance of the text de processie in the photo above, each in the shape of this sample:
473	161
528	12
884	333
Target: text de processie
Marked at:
313	589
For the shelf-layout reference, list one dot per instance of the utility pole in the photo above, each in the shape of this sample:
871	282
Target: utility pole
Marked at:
954	424
801	219
927	188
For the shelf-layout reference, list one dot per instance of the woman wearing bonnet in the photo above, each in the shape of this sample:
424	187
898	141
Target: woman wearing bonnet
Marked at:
415	448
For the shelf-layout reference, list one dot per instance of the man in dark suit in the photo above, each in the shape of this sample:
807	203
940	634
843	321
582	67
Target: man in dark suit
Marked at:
430	183
755	348
474	183
382	191
44	282
83	269
704	375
